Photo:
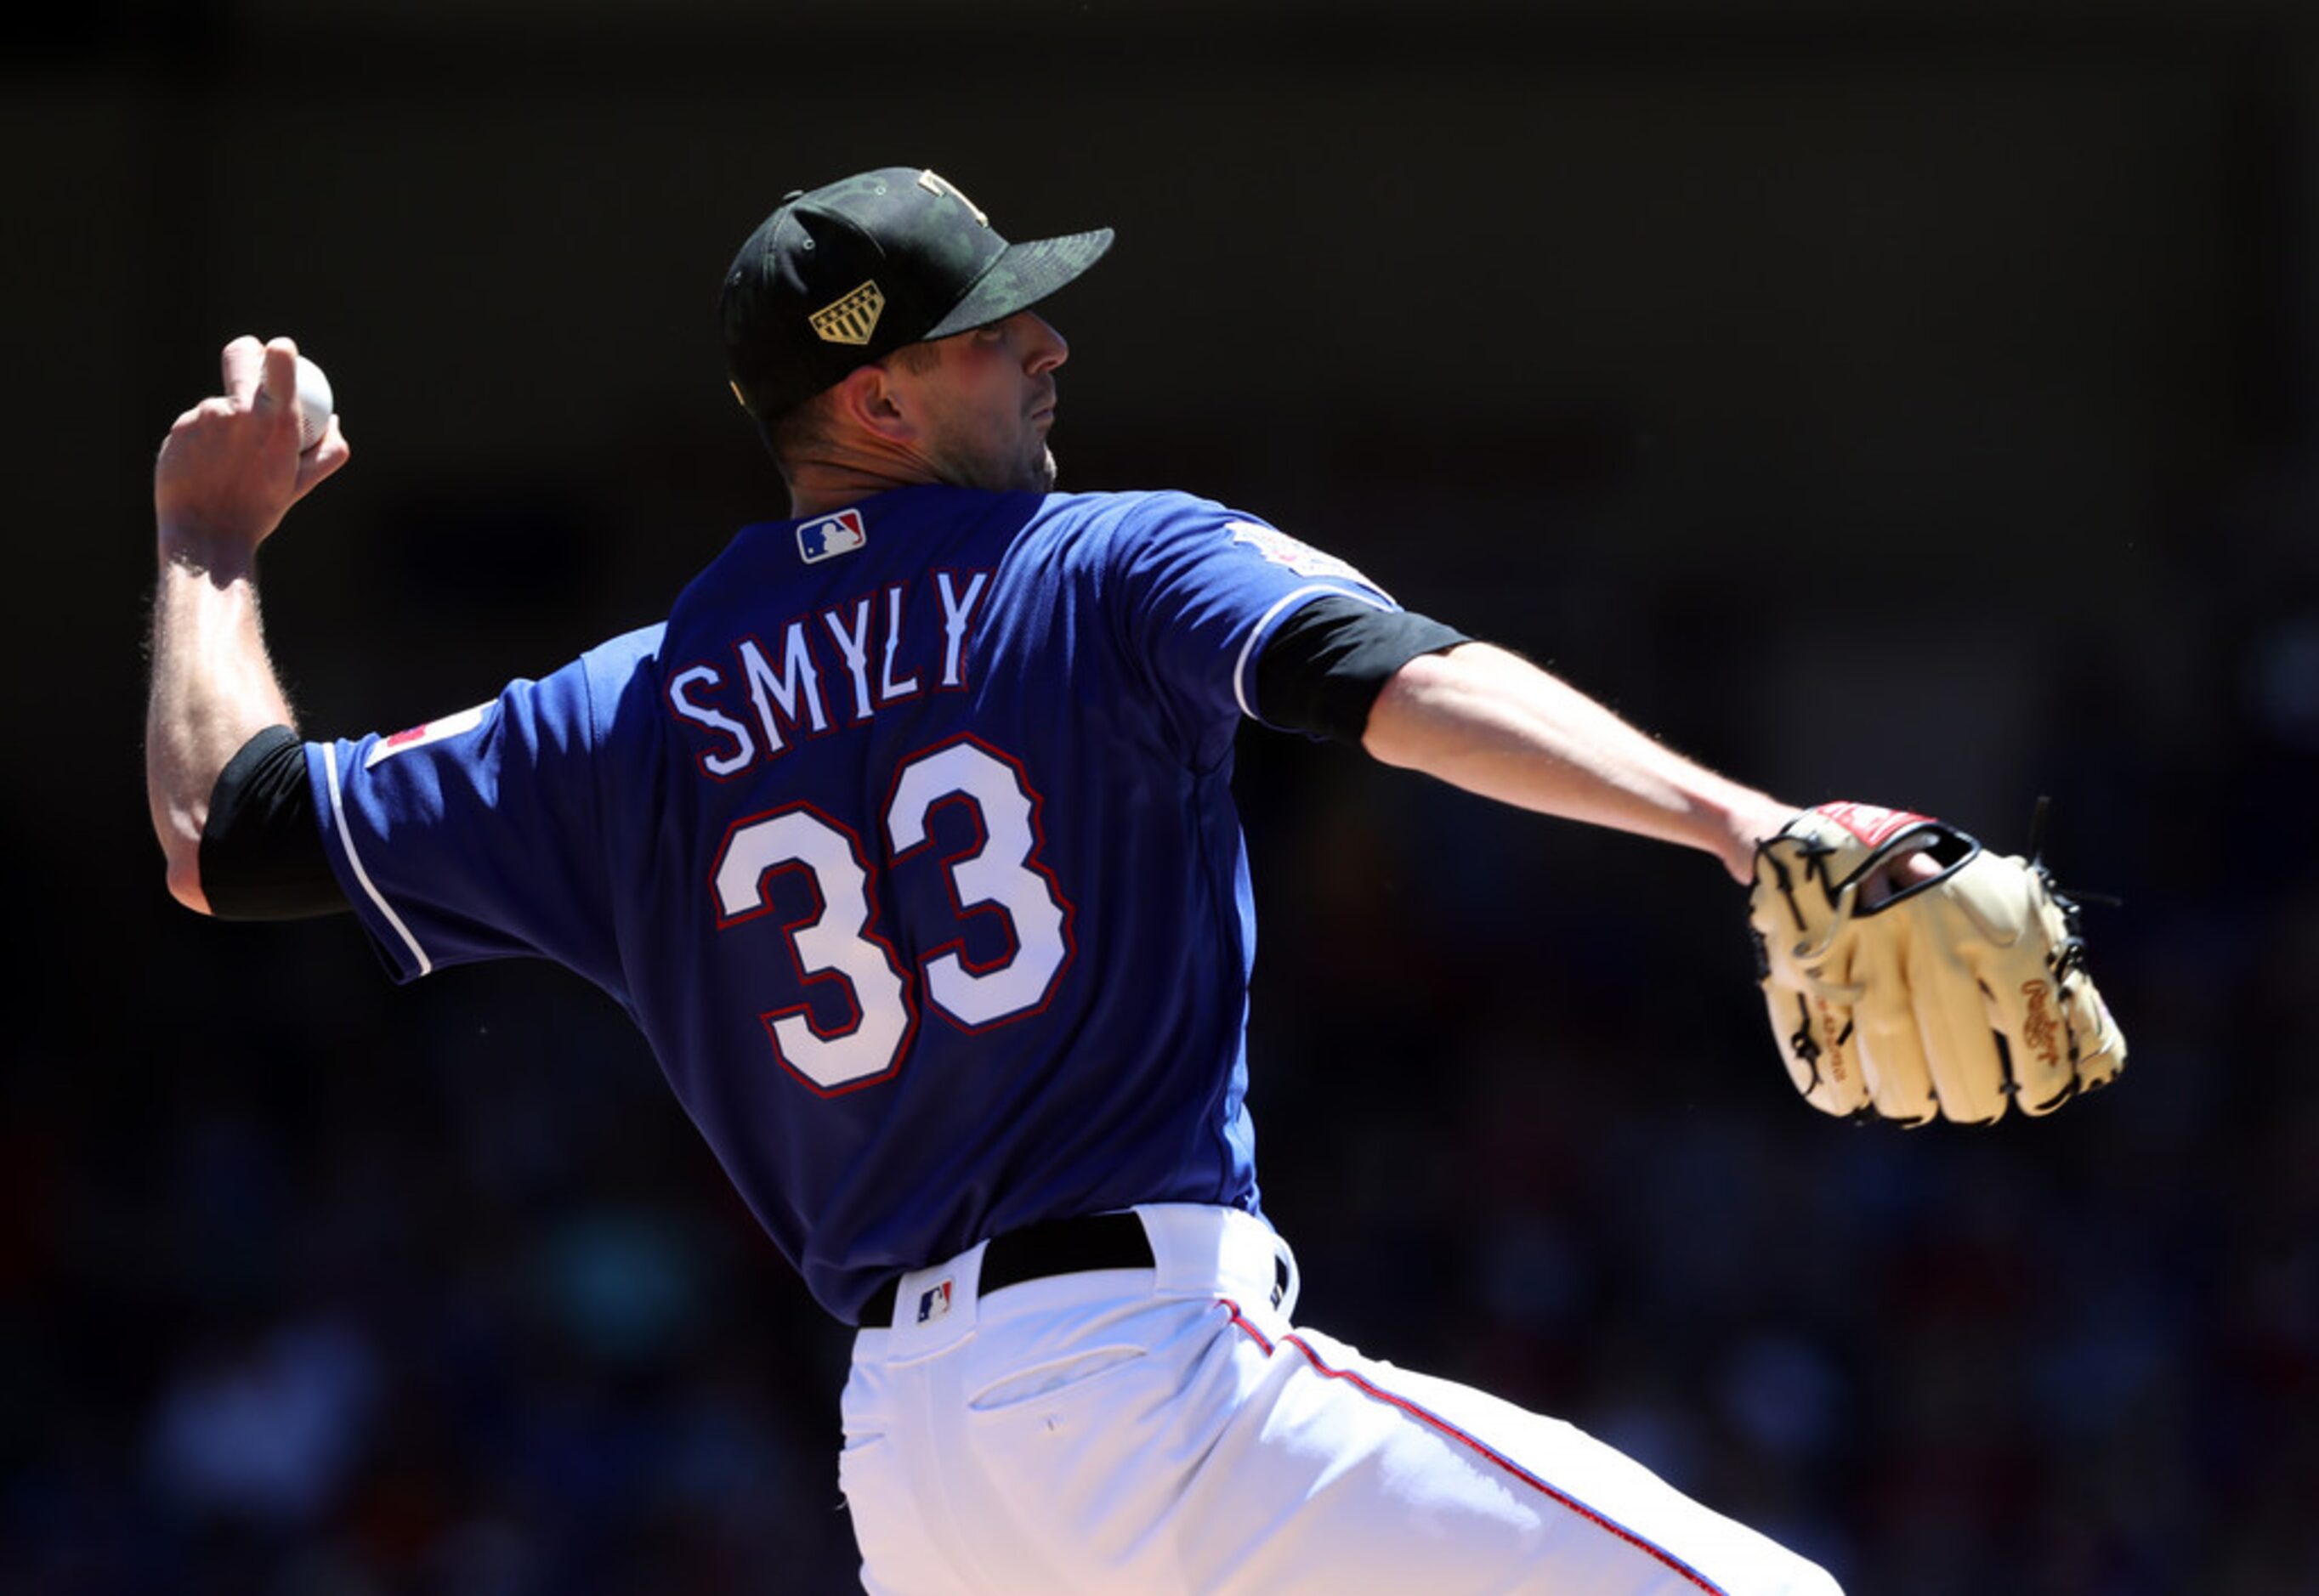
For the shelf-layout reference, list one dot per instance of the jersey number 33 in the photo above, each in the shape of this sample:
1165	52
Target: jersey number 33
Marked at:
1000	874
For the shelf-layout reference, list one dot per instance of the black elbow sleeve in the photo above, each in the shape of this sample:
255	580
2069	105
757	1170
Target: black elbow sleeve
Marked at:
261	855
1322	669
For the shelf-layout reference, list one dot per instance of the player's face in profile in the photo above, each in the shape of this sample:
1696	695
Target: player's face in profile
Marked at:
989	403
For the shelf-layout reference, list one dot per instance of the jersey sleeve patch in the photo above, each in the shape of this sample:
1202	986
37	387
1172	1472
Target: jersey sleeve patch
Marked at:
484	835
425	732
1296	554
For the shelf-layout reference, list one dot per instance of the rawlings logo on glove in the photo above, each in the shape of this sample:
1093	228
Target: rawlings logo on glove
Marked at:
1912	974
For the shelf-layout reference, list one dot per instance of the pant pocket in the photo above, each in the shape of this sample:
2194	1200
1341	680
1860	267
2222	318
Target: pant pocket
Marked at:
862	1463
1056	1377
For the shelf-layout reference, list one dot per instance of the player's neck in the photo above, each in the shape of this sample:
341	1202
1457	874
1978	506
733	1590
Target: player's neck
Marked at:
817	493
837	478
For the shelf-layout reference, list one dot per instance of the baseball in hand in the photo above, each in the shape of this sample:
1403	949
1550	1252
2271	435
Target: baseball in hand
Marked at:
313	405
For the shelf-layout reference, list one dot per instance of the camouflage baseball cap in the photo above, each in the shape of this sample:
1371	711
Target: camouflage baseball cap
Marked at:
851	272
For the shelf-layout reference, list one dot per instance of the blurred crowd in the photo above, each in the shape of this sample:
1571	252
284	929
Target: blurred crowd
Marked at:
310	1286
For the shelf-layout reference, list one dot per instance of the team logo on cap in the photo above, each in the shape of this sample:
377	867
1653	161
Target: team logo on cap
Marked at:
933	182
832	536
853	319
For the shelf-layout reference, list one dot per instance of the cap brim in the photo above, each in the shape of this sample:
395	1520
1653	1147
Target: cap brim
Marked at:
1022	275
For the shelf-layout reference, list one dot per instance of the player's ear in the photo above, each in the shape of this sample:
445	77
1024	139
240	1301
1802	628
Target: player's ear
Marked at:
869	399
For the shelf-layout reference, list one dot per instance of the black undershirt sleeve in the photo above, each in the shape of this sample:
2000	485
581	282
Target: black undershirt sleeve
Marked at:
261	854
1322	669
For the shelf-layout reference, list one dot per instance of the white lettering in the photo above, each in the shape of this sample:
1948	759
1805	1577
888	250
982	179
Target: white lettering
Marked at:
855	646
781	676
889	689
957	612
744	750
798	680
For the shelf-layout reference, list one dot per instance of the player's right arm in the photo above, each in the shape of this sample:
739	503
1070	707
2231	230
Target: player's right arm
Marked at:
227	472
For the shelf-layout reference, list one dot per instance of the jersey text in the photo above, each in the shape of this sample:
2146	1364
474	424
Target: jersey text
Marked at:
831	667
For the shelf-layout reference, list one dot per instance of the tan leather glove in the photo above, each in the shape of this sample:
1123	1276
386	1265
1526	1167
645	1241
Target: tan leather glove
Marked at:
1943	995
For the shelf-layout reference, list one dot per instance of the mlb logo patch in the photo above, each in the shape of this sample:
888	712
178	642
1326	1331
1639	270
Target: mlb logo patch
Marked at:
934	1304
831	535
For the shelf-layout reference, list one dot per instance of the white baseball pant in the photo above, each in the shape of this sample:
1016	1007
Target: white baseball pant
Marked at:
1169	1432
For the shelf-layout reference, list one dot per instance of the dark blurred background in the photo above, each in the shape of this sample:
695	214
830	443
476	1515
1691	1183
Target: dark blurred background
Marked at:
1909	402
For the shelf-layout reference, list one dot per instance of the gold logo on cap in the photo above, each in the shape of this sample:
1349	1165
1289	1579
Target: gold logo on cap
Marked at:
853	319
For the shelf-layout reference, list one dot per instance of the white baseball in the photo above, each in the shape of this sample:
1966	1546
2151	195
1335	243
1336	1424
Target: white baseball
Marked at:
313	405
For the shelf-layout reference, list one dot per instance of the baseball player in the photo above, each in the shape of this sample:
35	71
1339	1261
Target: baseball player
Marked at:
907	841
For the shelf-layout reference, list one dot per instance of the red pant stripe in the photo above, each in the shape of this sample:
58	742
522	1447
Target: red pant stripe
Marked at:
1436	1422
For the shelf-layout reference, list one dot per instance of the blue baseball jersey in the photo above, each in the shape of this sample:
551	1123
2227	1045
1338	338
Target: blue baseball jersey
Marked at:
908	843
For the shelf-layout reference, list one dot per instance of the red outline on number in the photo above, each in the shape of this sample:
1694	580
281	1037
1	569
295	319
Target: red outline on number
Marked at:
958	909
788	941
1435	1421
1030	861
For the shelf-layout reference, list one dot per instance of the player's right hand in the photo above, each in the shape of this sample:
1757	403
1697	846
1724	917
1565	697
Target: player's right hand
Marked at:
229	469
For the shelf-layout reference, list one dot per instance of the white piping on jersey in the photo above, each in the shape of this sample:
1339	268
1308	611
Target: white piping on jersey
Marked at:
354	861
1239	666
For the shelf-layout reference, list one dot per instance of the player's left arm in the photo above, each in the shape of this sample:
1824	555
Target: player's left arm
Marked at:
1907	972
226	475
1335	657
1489	721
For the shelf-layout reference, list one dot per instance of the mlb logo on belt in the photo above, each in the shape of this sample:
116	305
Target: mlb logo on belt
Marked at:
840	534
932	1305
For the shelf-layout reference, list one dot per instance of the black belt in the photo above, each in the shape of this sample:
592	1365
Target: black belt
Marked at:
1052	1247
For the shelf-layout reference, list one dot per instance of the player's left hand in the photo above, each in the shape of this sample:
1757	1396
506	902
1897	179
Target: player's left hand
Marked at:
1912	974
229	469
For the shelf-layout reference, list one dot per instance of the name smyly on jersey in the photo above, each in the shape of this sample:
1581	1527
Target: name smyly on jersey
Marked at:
866	651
